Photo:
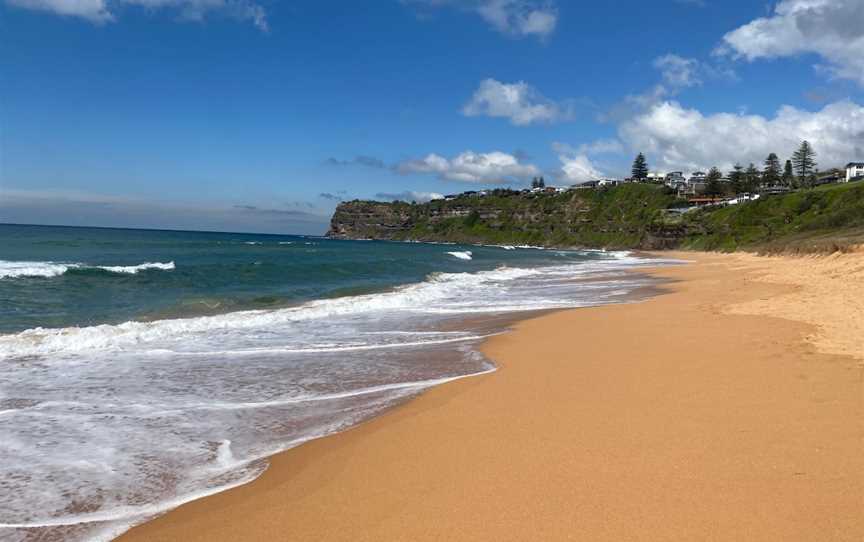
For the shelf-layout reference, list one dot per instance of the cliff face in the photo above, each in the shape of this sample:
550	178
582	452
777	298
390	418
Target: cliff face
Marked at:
370	220
824	219
629	216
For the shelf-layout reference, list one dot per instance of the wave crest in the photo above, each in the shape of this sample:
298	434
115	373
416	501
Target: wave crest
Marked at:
11	270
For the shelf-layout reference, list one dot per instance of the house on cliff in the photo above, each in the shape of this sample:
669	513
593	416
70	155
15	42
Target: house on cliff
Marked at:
854	171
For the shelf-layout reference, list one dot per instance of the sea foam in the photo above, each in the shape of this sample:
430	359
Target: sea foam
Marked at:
54	269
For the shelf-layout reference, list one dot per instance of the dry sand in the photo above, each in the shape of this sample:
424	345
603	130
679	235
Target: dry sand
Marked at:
698	415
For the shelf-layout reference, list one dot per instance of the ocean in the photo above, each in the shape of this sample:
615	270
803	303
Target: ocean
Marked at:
143	369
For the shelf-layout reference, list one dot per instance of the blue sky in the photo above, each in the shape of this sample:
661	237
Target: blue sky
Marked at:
236	115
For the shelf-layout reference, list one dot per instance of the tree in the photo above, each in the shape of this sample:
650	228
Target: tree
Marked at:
771	173
538	182
713	185
804	161
788	178
751	178
640	167
736	177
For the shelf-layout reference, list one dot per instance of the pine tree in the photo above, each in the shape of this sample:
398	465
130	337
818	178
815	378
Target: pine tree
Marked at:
804	161
771	173
713	186
538	182
640	167
788	178
751	178
736	177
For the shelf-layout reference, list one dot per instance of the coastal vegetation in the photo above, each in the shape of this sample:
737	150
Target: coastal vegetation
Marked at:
822	219
632	215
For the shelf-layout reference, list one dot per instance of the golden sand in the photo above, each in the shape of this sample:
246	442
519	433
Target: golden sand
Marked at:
729	409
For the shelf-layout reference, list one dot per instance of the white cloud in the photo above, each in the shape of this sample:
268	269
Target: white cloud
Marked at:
471	167
104	11
578	168
519	17
675	137
677	71
512	17
410	195
93	10
576	165
832	29
519	102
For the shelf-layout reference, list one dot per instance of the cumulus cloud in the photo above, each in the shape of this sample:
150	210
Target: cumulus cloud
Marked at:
576	164
105	11
832	29
512	17
471	167
368	161
519	102
578	168
676	137
409	195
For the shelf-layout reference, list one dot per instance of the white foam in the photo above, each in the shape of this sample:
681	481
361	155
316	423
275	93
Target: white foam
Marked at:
462	255
316	349
132	269
224	461
481	292
54	269
32	269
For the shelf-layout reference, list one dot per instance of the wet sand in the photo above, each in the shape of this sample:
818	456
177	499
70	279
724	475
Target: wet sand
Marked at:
703	414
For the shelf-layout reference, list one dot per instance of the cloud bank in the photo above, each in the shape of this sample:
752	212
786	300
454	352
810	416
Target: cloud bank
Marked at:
832	29
675	137
88	209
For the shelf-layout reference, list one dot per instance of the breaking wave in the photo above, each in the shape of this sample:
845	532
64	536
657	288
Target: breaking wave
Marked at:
54	269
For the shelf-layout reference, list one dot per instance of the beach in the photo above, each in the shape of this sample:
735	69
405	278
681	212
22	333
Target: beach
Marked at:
728	408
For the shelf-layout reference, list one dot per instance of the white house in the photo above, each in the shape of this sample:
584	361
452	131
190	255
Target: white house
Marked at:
853	170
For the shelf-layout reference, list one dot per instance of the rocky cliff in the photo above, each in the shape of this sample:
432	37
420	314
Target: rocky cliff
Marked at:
630	216
823	219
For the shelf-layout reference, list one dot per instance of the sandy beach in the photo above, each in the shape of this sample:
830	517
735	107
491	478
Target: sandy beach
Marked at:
729	408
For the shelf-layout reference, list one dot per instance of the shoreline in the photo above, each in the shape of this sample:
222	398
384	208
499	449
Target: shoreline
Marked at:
609	437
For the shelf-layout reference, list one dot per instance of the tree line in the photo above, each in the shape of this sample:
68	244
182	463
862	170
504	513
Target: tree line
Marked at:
797	172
